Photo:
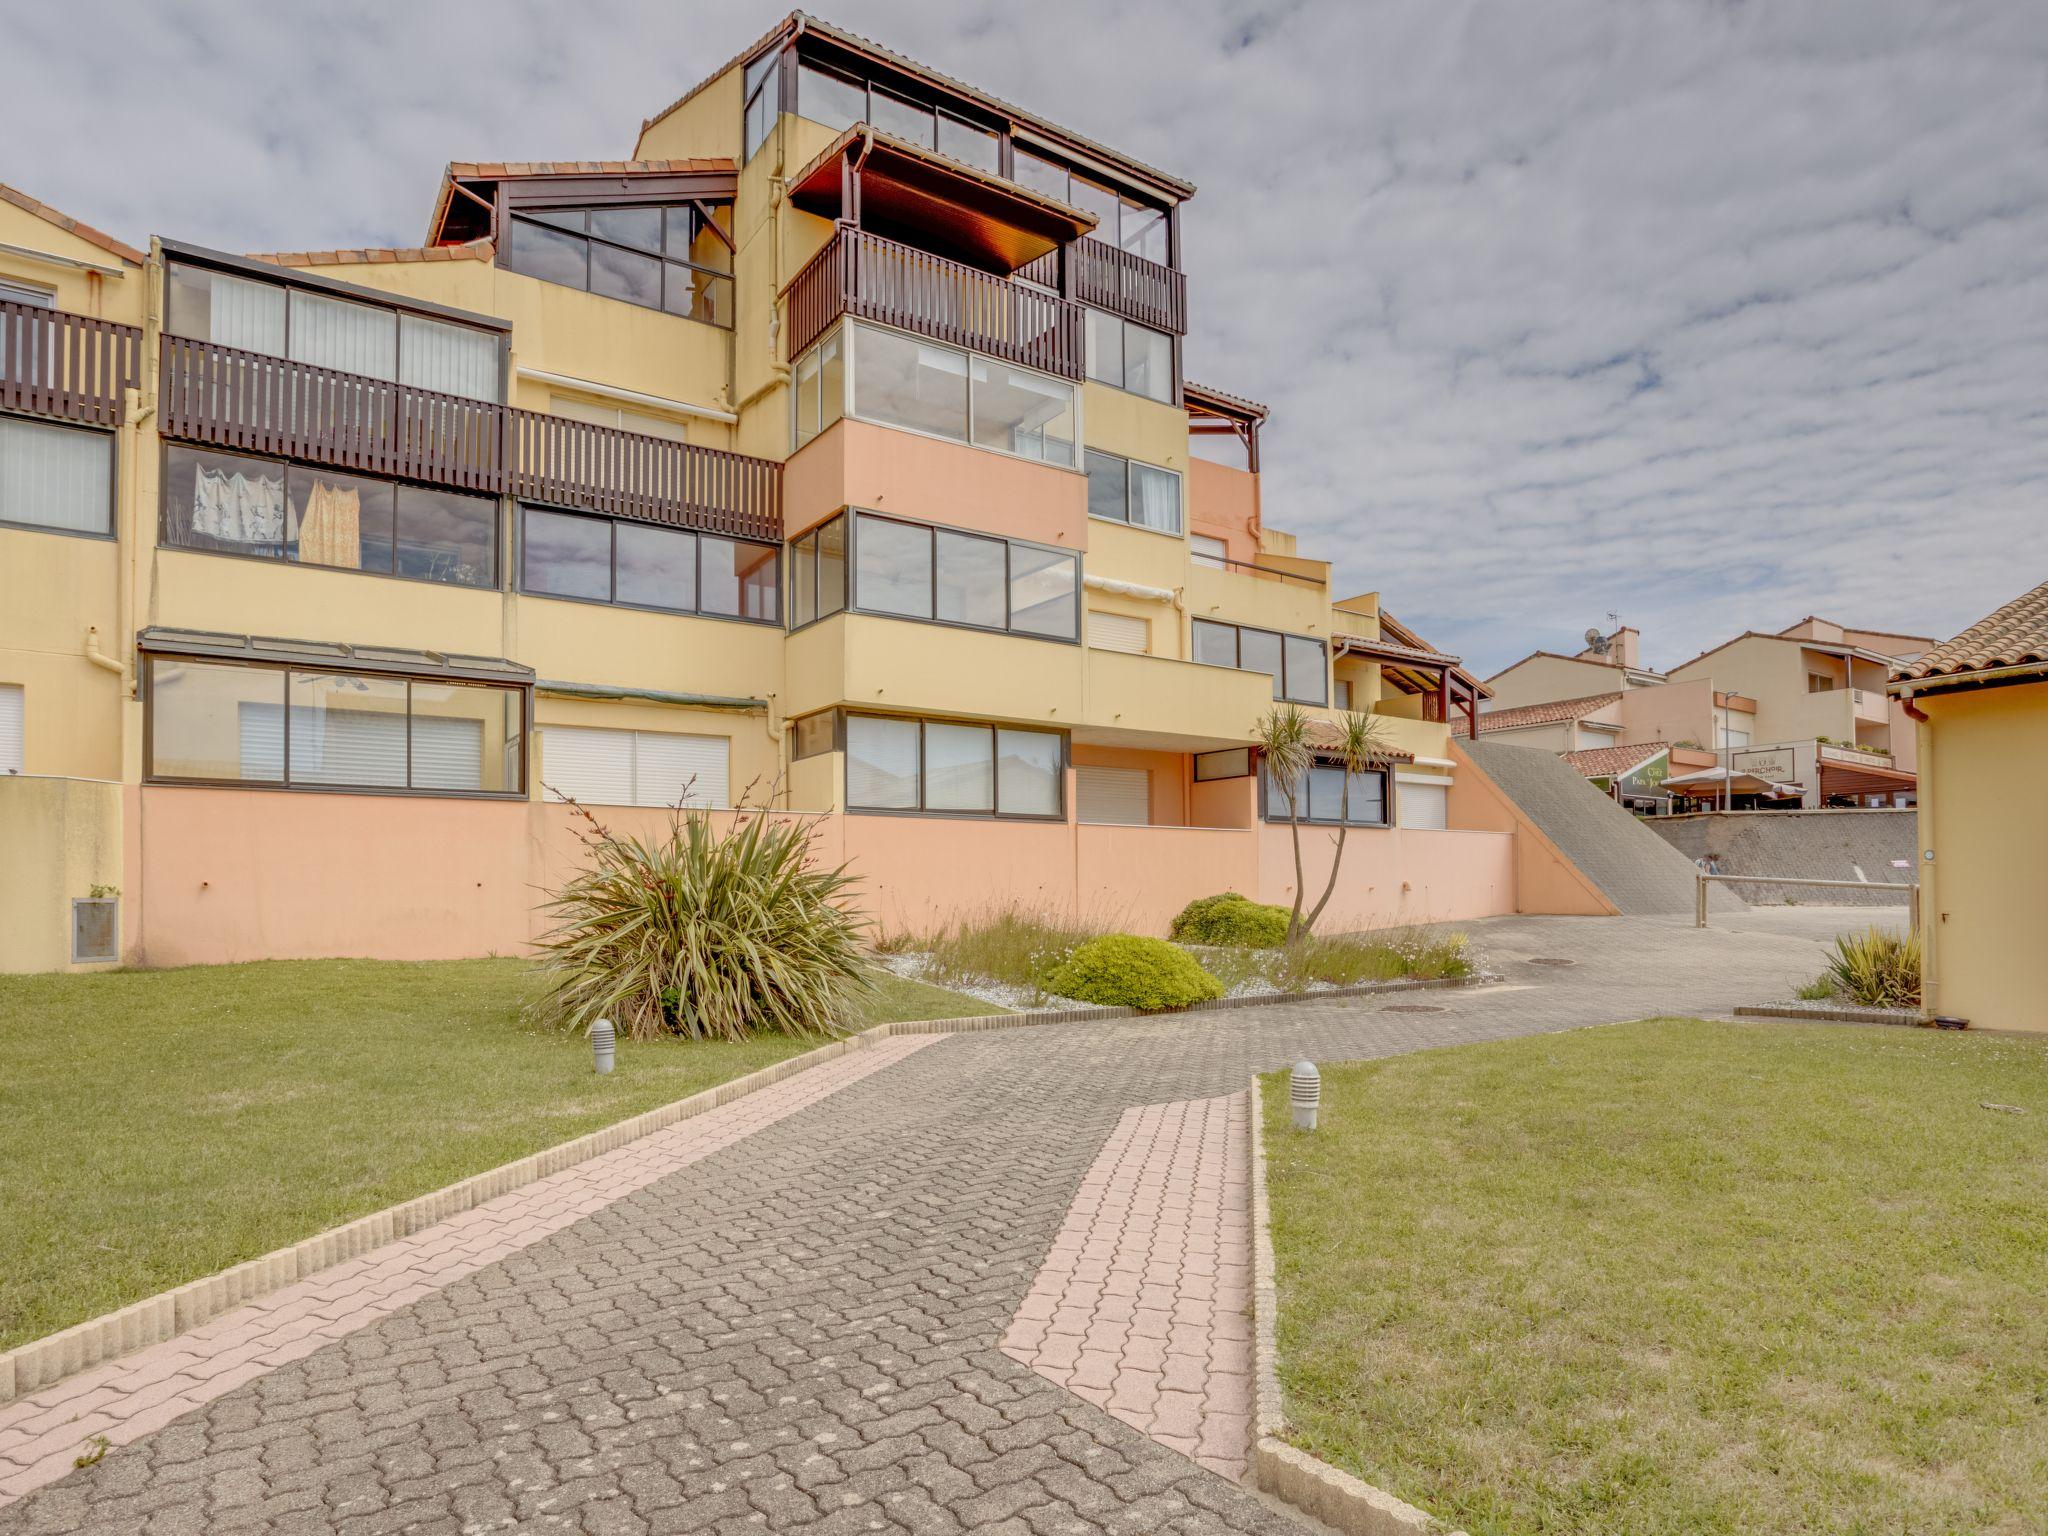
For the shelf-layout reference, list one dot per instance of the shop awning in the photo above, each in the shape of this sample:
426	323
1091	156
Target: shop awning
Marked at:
1863	779
1711	781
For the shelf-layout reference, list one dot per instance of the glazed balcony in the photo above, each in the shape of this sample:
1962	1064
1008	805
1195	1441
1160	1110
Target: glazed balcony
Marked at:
871	278
257	403
73	367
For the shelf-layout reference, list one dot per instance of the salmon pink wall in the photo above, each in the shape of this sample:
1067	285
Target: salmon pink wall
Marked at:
1392	876
858	465
1167	771
1138	878
920	873
1224	504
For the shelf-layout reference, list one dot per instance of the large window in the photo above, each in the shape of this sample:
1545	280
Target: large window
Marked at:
330	332
763	88
954	768
1297	664
839	100
1125	491
1121	221
227	723
54	477
901	381
1321	795
918	571
613	767
1129	356
229	504
646	565
660	256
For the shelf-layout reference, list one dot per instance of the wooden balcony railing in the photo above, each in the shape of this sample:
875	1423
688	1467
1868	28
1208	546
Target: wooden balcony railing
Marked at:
865	276
262	404
1129	285
628	474
55	363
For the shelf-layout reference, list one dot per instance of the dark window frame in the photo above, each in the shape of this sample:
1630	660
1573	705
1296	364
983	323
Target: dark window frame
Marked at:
1282	693
113	533
668	204
283	783
1066	762
1273	808
520	587
164	540
1122	384
1130	467
853	516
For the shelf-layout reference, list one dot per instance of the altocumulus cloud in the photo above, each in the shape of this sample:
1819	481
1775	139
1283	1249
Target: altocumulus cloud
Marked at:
1708	314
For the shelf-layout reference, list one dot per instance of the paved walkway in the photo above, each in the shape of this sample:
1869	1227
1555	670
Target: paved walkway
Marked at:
804	1327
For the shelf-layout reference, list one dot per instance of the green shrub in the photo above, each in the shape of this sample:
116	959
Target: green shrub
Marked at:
1816	991
1876	969
1124	970
1230	919
1346	962
1006	944
705	934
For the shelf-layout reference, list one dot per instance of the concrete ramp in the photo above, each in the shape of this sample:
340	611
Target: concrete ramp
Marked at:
1636	870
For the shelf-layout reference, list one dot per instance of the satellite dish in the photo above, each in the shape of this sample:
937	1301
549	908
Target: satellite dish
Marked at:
1595	641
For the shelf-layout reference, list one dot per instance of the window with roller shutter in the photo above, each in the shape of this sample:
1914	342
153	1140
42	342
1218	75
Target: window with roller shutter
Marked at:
611	767
1119	632
1114	796
11	749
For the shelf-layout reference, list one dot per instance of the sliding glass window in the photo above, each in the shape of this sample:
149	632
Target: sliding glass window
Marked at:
1298	664
234	505
225	723
901	381
1327	795
58	478
917	571
671	257
1129	356
949	767
646	565
1126	491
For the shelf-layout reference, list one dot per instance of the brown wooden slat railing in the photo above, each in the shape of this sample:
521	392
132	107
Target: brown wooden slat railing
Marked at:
871	278
55	363
628	474
1043	269
1116	280
264	404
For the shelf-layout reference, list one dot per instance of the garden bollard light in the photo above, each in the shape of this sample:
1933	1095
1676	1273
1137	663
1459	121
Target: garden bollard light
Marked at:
1305	1092
603	1044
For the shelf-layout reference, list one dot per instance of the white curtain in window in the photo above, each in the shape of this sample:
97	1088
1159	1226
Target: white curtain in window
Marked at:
351	338
1155	498
452	359
55	477
245	314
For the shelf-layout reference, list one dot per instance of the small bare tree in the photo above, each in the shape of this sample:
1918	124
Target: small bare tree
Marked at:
1283	741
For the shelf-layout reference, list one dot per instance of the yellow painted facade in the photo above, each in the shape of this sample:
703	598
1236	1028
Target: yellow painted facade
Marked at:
74	606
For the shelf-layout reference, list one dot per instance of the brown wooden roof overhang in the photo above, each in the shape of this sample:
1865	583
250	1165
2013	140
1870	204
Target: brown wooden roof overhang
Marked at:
1862	779
465	208
909	191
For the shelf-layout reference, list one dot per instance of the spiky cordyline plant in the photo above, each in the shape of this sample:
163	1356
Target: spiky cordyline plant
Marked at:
1283	739
714	935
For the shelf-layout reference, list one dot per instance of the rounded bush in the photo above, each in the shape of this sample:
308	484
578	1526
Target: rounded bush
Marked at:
1123	970
1231	919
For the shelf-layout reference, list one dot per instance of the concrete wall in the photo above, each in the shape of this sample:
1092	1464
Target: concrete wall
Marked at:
1541	679
1984	821
1814	845
59	840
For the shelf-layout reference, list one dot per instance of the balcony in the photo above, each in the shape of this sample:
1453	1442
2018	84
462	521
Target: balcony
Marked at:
55	363
256	403
1129	285
871	278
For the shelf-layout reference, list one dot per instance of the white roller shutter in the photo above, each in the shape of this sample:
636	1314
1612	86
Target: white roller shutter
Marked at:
608	767
1422	802
10	728
447	752
1114	796
1119	632
666	768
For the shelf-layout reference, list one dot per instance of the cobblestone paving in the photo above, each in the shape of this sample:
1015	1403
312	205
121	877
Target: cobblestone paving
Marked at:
802	1331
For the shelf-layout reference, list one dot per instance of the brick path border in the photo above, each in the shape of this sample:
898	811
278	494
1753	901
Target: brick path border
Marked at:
1830	1013
1308	1483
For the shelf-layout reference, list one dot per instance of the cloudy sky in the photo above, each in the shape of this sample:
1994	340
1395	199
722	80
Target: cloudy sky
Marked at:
1707	314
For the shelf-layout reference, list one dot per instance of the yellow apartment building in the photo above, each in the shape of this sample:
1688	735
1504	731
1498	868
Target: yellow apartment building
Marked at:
830	456
1981	704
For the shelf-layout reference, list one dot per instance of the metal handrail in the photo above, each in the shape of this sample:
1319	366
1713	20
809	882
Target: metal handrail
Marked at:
1911	886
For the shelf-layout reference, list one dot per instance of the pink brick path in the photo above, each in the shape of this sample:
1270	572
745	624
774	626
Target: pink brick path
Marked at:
1143	1304
134	1396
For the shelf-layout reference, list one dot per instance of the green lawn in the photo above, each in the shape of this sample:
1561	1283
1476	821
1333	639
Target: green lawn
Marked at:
156	1126
1677	1279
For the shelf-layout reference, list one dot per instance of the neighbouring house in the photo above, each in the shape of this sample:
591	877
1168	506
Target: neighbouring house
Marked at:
1795	718
830	454
1980	704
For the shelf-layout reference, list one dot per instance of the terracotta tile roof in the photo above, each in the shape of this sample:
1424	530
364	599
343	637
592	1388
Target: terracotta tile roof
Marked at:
1608	762
377	255
1202	394
504	170
1394	649
1545	714
855	41
1324	736
2013	636
71	226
